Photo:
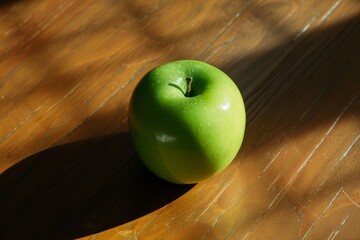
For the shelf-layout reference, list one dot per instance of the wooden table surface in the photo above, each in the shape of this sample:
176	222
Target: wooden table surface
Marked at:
69	170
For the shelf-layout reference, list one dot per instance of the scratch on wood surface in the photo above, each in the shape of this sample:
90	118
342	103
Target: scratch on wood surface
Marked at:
357	205
188	217
323	213
108	99
144	227
36	111
258	220
169	222
291	142
338	163
336	232
272	160
273	201
89	99
64	97
273	183
89	116
20	125
215	199
220	215
223	30
348	150
330	11
312	104
304	29
54	17
216	50
212	226
307	160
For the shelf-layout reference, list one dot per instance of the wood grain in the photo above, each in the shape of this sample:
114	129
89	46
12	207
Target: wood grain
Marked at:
69	170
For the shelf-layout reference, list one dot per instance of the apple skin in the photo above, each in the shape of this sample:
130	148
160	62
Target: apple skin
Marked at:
186	139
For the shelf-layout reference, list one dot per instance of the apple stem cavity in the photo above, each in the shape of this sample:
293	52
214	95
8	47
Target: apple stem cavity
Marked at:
188	84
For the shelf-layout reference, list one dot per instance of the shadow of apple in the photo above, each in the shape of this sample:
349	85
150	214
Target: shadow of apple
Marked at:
78	189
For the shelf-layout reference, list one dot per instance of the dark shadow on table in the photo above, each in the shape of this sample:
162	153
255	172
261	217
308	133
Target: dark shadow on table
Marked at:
79	189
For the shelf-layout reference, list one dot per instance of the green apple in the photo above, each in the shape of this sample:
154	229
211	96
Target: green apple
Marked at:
187	121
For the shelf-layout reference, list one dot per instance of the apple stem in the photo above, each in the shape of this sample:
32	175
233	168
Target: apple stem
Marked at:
188	84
